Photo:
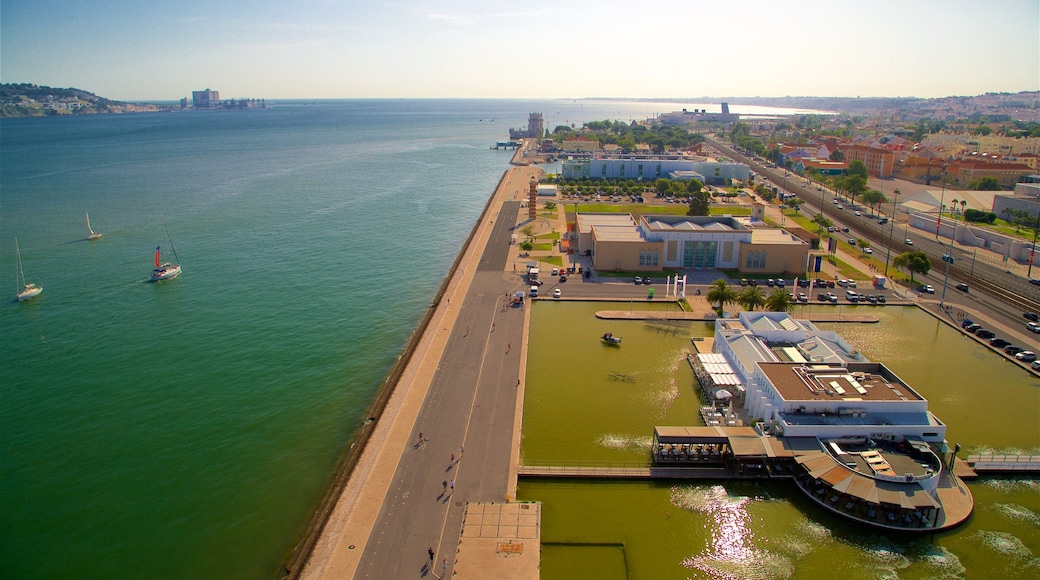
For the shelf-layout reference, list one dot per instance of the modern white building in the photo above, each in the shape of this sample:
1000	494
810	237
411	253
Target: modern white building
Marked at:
650	168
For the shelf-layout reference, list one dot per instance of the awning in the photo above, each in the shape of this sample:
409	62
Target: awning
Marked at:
723	394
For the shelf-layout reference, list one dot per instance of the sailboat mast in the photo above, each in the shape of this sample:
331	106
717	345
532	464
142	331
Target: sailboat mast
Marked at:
172	248
20	281
88	225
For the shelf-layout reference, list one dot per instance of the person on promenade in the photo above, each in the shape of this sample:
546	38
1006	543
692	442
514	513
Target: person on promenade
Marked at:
430	552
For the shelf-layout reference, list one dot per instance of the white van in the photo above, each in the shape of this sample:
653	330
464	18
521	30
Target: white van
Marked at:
533	292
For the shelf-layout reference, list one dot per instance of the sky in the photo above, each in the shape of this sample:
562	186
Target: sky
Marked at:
133	50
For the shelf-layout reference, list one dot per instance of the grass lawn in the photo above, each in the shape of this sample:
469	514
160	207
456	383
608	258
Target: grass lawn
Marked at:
548	236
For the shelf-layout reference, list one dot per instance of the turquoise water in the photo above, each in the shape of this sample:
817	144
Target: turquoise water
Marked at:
188	428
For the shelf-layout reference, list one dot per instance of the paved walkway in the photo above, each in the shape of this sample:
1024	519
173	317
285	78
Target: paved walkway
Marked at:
461	390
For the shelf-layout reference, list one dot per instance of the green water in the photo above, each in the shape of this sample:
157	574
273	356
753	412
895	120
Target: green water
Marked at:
575	410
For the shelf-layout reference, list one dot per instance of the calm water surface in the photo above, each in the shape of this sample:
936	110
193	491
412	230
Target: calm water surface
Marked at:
187	428
575	410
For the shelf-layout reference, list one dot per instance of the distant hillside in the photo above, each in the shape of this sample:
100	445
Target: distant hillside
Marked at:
28	100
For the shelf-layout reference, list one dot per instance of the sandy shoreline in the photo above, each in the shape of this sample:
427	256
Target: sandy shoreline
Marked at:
335	538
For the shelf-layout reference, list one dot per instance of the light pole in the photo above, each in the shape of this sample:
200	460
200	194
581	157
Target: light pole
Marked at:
948	258
942	196
1032	250
891	229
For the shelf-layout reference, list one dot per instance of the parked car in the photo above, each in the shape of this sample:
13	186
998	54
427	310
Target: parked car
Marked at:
780	282
909	242
1033	327
533	291
972	327
1034	281
647	281
998	342
563	277
967	322
1035	365
868	251
872	299
743	281
802	298
1012	349
822	297
881	299
1026	356
985	334
557	293
962	287
555	271
803	283
638	280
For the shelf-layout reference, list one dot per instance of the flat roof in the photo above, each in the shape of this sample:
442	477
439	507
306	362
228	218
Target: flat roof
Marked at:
814	382
775	236
587	220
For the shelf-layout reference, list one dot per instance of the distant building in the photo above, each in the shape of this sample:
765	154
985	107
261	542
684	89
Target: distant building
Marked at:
879	162
206	99
692	116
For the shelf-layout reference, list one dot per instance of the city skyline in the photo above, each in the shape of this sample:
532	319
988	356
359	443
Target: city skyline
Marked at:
465	49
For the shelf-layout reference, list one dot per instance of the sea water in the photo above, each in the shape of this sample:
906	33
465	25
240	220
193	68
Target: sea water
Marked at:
188	428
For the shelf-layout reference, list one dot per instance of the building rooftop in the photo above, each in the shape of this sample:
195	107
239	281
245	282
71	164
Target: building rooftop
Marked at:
832	383
774	236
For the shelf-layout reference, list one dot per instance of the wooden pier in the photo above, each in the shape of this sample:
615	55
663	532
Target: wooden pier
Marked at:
988	463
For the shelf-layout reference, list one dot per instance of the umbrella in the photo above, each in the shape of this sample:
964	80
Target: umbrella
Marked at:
723	394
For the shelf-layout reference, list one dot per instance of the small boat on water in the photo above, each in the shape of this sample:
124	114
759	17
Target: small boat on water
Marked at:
26	290
92	235
165	270
611	339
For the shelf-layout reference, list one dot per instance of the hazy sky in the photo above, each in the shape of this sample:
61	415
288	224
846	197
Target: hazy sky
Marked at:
162	50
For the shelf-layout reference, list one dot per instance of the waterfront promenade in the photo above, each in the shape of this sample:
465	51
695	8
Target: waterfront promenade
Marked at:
462	390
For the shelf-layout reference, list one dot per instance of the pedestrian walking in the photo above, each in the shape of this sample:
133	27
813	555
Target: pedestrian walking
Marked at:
461	451
444	567
492	327
453	458
518	383
444	484
430	551
452	485
509	347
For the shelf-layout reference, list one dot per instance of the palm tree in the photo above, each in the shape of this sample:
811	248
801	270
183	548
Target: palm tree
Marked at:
751	297
954	205
964	206
779	301
720	293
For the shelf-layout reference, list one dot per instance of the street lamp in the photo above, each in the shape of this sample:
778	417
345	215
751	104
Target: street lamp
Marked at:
948	258
1032	250
891	228
942	196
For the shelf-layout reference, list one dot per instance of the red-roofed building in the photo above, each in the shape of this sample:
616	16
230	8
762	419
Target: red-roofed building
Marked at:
879	162
963	172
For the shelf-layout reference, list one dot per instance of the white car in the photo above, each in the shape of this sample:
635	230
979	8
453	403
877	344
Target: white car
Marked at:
868	251
556	293
1033	326
1026	356
858	213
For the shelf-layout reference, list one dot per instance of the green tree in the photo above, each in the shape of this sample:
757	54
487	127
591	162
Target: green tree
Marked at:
863	244
854	185
527	231
751	297
822	221
700	203
837	155
915	262
779	301
857	167
694	186
720	295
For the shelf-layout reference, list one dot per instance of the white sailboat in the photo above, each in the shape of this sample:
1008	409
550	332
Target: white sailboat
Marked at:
166	270
92	235
26	290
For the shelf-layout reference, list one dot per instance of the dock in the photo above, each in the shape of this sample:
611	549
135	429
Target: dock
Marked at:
995	464
659	316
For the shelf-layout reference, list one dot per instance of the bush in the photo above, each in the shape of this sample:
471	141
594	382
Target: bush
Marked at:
974	215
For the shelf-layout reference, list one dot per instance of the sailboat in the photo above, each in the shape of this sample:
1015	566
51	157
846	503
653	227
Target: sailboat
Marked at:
165	270
92	235
26	290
